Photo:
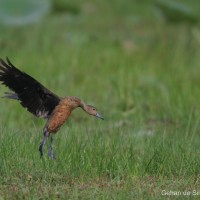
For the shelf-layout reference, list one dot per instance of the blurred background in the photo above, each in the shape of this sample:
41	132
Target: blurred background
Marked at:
137	61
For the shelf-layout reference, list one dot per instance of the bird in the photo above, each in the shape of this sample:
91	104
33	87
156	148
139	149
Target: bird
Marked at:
41	102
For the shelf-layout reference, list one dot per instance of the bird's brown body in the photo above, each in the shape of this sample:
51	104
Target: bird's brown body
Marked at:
61	112
40	101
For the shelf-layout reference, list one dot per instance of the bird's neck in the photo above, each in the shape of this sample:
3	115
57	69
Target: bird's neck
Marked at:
83	105
72	102
76	102
80	103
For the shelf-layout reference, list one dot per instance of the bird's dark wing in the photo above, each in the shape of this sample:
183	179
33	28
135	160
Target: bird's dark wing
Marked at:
31	94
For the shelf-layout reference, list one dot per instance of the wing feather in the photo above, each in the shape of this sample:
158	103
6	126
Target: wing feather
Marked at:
32	95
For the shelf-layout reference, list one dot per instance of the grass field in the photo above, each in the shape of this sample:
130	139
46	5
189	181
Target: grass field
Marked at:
141	73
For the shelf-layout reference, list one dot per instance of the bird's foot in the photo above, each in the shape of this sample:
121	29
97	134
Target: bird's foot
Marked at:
51	154
41	149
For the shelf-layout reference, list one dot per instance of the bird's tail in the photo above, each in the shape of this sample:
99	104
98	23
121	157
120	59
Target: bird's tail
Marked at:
10	95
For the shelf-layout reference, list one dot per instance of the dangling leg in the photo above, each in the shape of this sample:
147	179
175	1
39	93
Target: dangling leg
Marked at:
51	149
41	148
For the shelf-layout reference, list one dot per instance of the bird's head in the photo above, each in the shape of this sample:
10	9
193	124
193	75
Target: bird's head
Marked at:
91	110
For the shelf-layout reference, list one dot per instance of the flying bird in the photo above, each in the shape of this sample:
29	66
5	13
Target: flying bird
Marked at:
40	101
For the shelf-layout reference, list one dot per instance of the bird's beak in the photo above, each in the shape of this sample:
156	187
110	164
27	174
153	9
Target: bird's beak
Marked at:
99	116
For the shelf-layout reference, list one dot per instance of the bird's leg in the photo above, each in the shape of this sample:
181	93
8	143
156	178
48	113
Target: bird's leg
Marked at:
41	148
51	155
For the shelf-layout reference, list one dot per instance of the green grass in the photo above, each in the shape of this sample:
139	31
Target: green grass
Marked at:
142	75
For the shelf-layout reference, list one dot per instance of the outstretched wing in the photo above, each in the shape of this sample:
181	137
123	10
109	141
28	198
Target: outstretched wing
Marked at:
31	94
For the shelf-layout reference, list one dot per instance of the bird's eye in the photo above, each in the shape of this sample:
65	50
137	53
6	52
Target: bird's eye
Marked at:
93	109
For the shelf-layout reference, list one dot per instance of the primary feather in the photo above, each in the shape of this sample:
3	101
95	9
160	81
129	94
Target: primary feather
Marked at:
32	95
